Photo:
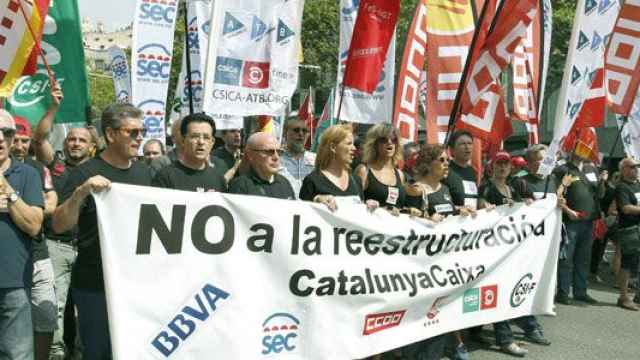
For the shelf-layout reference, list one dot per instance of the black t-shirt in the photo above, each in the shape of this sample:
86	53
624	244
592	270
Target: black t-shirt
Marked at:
581	194
222	156
60	171
39	249
87	271
252	184
384	194
533	187
179	177
489	193
462	185
439	201
608	198
627	194
318	184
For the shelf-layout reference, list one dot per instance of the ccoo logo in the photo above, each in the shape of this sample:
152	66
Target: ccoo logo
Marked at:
154	61
280	333
158	12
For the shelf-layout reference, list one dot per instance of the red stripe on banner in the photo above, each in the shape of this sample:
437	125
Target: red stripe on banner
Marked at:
622	59
372	35
32	64
406	109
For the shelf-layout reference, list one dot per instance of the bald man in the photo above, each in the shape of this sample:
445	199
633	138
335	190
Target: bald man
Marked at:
628	202
263	155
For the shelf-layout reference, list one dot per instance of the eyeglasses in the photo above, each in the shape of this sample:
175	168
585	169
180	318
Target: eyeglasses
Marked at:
8	132
196	137
384	140
300	130
269	152
133	133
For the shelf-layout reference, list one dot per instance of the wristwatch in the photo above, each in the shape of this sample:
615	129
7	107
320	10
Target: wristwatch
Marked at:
13	197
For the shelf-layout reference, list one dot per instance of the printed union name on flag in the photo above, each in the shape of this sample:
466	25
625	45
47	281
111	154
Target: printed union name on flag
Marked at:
16	41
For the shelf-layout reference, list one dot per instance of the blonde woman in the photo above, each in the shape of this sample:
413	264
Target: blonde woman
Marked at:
332	181
379	174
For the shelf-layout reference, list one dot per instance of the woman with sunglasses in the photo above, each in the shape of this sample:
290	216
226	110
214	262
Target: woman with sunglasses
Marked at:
332	181
427	193
381	179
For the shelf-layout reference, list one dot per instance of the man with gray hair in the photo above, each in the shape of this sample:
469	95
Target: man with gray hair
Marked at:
263	153
297	163
152	149
123	131
21	214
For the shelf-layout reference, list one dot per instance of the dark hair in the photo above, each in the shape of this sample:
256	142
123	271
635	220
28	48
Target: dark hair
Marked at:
155	141
197	118
457	135
427	154
113	115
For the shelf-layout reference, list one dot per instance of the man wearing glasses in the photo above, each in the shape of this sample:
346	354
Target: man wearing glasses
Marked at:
21	214
123	131
297	163
263	154
192	171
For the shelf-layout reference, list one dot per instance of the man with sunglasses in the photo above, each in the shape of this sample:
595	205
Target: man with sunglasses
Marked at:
21	214
192	172
263	153
123	130
297	163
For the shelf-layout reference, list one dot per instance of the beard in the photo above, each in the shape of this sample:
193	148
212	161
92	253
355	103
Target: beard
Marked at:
296	147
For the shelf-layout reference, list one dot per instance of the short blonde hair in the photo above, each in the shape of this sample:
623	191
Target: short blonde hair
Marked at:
332	136
370	148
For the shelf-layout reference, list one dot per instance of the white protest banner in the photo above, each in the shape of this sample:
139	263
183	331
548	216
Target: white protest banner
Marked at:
121	75
358	106
202	275
151	54
252	63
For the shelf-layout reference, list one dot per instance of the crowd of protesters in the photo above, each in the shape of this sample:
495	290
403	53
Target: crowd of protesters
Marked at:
50	256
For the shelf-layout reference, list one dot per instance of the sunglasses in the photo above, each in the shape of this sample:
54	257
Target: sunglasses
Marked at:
300	130
269	152
133	133
8	132
384	140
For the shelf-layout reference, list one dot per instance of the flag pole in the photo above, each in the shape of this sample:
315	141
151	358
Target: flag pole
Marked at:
50	73
188	55
625	119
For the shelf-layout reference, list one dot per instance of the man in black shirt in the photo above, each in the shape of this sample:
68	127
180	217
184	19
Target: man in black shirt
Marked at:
532	185
580	211
192	171
263	153
78	147
229	154
462	178
628	202
122	126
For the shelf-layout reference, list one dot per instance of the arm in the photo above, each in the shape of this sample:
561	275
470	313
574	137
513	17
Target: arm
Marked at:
361	173
50	202
43	149
231	173
65	217
27	218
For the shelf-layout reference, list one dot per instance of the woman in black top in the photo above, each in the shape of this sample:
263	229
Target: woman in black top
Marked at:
332	177
379	174
428	194
498	190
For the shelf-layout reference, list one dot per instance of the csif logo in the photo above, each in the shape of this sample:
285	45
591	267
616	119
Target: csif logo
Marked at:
161	12
154	61
525	287
280	333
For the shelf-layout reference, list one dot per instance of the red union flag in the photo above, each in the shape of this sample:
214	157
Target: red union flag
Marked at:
491	56
622	59
487	120
372	34
405	116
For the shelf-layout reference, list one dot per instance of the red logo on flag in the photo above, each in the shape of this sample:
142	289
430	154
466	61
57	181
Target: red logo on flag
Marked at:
255	75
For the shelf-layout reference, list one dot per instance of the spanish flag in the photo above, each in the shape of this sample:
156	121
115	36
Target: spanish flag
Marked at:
16	40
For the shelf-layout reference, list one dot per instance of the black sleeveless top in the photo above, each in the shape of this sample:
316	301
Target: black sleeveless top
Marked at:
437	202
385	195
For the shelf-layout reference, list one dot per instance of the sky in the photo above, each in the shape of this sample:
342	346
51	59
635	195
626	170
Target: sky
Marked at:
112	13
